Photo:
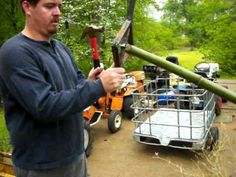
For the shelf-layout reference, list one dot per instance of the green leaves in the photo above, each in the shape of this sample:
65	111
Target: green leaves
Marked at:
221	26
79	13
11	19
208	24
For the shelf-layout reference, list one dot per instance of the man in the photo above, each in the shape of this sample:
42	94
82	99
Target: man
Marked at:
44	94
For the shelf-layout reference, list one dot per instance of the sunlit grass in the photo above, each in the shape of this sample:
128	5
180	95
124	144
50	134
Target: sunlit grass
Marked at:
187	59
4	138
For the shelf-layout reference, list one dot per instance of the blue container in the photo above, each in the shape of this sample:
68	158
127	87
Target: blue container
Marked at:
166	97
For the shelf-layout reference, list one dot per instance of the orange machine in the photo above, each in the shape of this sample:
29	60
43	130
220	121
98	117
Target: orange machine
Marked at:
113	105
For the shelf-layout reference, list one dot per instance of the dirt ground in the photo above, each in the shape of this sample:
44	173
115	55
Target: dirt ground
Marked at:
118	155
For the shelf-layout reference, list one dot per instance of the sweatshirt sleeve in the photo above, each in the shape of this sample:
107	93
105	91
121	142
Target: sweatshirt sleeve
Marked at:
28	86
35	95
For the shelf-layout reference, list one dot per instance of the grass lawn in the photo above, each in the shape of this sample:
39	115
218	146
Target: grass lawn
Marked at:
4	138
187	59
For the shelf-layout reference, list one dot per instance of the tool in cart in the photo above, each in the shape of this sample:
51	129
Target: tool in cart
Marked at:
92	31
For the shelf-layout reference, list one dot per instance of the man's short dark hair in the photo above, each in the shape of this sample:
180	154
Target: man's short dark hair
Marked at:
32	2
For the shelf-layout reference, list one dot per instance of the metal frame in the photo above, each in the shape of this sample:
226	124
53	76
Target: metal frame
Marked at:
162	119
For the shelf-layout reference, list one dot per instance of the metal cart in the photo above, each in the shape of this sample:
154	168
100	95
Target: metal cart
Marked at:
174	113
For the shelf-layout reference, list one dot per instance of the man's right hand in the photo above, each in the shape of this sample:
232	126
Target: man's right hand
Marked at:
112	78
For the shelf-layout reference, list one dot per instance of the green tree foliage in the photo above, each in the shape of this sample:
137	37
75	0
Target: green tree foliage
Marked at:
209	24
220	29
155	38
148	34
11	19
180	16
76	14
80	13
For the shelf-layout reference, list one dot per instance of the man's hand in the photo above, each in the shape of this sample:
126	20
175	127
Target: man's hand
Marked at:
93	74
112	78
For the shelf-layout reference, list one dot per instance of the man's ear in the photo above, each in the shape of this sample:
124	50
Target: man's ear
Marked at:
26	7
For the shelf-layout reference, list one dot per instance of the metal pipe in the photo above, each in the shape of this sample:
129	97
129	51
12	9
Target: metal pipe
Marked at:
182	72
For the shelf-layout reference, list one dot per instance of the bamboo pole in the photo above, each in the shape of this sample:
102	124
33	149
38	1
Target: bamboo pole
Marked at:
182	72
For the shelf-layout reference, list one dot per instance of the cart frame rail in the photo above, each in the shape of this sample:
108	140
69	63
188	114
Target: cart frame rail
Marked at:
166	114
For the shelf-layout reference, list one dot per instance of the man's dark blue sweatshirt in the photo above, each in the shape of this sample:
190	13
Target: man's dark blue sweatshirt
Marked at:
44	94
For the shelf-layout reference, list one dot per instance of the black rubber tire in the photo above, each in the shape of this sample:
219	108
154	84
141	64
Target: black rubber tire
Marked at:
88	138
212	138
128	111
215	134
114	121
217	106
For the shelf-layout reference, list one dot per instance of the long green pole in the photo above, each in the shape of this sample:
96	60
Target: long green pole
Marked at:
188	75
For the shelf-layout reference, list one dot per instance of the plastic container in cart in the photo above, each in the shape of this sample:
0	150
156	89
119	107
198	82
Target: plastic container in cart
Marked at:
175	117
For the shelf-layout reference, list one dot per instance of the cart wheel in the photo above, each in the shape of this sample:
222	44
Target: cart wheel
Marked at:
114	121
218	105
87	138
212	138
129	112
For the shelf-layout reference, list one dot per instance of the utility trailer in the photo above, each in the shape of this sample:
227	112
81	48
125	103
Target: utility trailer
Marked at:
167	116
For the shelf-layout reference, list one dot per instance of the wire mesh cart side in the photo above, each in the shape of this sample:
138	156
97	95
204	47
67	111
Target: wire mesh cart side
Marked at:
179	115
